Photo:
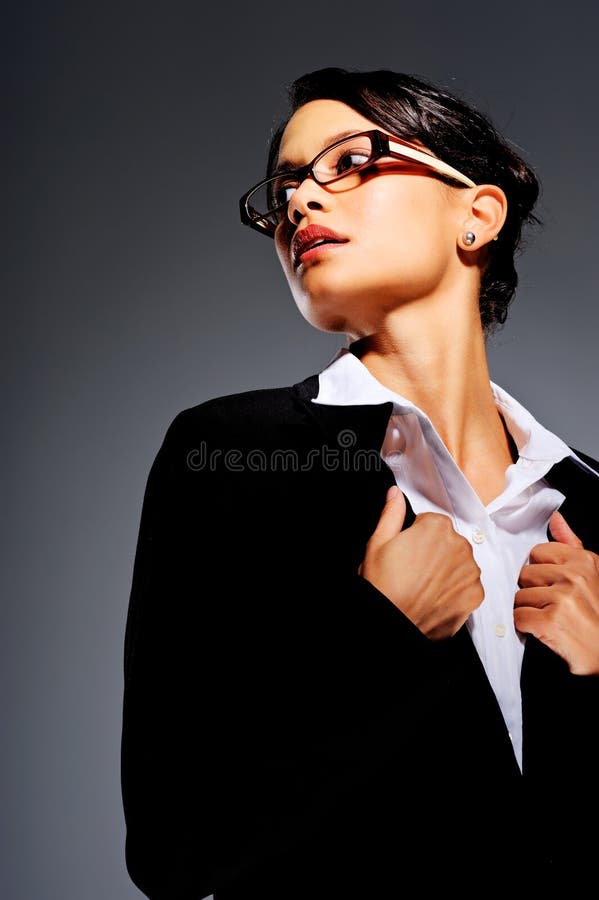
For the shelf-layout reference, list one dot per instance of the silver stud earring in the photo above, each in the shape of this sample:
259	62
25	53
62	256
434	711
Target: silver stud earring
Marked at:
469	238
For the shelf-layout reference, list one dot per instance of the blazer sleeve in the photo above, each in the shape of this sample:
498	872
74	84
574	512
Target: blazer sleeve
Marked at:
168	752
256	698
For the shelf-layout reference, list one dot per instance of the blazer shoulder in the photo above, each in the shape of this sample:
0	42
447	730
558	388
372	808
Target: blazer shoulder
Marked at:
588	460
243	413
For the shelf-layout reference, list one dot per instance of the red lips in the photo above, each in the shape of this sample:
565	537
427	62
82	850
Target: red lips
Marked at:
308	237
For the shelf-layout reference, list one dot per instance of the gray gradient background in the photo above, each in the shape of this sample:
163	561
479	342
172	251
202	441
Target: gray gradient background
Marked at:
132	292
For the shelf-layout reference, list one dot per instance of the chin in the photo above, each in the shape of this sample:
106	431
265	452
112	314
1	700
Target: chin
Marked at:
317	315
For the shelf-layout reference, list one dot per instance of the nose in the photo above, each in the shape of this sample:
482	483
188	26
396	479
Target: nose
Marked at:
307	196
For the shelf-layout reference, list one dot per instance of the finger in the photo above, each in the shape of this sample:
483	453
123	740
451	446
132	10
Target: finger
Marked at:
532	597
539	574
552	552
535	622
562	532
392	517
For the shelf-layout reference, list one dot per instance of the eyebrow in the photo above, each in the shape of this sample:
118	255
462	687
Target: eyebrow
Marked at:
289	165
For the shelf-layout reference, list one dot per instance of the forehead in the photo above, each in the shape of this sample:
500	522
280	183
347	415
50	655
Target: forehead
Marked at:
314	126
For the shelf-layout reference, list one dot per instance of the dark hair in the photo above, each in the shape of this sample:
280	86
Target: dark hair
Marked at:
414	108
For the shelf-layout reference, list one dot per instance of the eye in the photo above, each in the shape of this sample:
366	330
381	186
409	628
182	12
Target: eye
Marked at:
344	158
351	159
285	192
281	192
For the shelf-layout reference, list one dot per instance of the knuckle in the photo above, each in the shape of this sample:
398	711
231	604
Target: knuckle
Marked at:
578	579
478	596
434	520
467	546
422	517
535	553
464	546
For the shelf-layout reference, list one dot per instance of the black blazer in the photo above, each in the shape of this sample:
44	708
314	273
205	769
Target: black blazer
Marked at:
287	731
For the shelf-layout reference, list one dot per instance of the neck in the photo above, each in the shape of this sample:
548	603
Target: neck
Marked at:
441	366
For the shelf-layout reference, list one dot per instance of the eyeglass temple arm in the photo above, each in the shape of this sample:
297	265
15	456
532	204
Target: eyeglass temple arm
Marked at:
429	160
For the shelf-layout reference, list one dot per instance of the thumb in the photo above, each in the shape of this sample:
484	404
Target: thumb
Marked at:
392	517
562	532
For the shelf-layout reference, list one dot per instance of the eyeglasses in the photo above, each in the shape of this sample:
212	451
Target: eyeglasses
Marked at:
265	205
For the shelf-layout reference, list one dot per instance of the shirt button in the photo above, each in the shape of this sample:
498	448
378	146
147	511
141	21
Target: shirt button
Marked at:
478	536
500	630
395	458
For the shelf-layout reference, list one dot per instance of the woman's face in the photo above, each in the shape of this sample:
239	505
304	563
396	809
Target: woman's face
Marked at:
398	229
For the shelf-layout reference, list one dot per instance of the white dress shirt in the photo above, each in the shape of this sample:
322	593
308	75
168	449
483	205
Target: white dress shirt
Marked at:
501	534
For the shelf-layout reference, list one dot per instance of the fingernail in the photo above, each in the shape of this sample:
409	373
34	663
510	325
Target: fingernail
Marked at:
392	492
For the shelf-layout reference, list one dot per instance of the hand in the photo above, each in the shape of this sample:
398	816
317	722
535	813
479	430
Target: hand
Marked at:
559	598
428	570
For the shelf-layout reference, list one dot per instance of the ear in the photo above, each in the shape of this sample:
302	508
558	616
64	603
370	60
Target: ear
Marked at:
486	211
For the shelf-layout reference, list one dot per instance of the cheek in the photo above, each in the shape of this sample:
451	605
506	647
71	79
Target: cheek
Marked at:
282	248
401	207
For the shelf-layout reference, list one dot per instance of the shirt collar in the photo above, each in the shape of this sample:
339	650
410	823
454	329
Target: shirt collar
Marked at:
345	381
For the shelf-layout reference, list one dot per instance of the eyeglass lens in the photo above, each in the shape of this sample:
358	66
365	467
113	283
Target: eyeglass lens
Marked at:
269	200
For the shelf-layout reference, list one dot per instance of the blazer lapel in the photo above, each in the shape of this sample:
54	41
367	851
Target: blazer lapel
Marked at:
366	422
581	489
549	698
356	434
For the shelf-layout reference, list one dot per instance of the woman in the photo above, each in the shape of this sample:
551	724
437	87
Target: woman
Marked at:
363	637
